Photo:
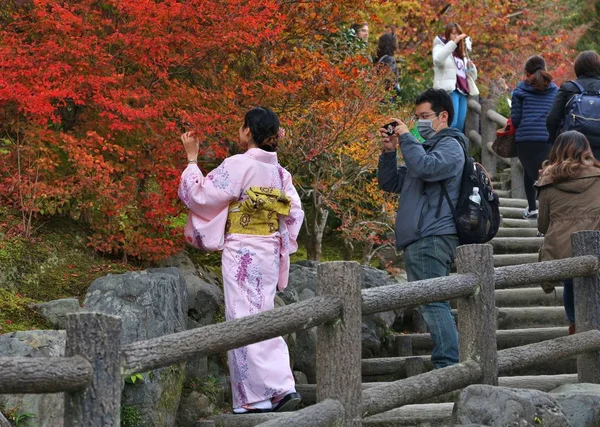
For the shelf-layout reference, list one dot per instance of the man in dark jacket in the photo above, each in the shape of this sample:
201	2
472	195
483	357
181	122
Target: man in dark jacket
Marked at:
587	70
429	239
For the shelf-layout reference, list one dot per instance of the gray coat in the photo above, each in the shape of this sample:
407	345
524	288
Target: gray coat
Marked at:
441	158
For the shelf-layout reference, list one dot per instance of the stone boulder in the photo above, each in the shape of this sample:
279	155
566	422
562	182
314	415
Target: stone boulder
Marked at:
375	327
206	304
55	312
501	406
150	303
47	409
580	403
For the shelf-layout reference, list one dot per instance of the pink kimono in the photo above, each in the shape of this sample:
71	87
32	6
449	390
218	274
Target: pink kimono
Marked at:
253	266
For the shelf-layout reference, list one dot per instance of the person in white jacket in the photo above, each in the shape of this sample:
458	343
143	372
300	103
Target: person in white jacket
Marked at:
452	69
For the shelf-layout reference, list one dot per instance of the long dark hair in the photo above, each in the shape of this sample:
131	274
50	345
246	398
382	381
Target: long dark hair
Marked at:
264	127
386	45
537	76
460	50
570	153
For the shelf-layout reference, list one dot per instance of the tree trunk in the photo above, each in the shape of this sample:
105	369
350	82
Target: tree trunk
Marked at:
316	228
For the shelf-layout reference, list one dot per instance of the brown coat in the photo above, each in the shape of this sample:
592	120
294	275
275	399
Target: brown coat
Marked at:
565	208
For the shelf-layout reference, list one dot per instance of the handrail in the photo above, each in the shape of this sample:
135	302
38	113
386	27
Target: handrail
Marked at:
394	297
545	271
174	348
95	361
43	374
557	348
420	387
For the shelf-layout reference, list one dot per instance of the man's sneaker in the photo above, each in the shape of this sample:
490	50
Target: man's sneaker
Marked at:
530	215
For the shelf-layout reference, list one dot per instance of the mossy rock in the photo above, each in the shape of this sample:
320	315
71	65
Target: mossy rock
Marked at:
16	313
54	265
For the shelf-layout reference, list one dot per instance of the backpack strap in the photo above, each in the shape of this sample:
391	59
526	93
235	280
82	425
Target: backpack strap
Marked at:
578	86
444	192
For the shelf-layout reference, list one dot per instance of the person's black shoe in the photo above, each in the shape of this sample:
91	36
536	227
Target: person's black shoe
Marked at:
288	403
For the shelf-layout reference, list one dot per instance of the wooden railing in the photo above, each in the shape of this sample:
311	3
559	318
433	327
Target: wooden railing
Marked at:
481	124
91	372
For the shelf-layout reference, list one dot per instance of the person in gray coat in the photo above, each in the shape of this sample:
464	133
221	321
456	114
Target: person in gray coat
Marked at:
428	237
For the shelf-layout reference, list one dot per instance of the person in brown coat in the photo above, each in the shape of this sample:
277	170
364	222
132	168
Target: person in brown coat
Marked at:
569	201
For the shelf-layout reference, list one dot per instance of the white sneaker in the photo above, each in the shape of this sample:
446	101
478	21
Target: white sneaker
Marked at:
530	215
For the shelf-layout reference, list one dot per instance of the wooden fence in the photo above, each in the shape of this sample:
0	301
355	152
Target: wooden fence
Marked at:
95	362
481	124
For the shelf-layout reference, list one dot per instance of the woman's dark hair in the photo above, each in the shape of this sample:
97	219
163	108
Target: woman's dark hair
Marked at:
264	127
537	76
460	50
440	101
570	152
387	45
587	64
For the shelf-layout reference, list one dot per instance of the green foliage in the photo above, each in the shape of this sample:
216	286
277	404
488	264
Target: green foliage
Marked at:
208	386
16	313
130	416
54	264
134	378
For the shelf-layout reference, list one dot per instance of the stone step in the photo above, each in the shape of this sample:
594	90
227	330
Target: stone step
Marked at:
505	338
531	317
516	232
520	223
502	193
395	368
507	202
508	212
519	297
515	259
432	414
535	382
516	245
528	317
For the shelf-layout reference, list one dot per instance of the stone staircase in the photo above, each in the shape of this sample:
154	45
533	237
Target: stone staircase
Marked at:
525	315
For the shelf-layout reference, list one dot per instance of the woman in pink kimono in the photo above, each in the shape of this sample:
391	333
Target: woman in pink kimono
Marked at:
248	208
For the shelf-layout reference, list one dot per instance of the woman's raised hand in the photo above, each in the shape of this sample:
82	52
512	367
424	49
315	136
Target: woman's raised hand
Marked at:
191	145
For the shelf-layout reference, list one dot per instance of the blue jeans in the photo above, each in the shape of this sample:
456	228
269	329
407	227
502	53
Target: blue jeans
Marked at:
459	102
569	300
425	259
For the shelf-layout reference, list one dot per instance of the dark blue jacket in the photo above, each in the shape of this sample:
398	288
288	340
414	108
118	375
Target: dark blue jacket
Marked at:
528	112
441	158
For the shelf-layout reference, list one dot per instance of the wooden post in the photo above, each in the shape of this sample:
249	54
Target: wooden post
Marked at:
587	303
488	133
517	187
477	313
403	345
339	343
97	337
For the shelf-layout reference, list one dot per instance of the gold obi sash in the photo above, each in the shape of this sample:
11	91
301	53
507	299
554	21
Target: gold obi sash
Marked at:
258	214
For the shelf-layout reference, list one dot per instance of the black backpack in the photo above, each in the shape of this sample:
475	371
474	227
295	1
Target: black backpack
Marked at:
475	223
583	112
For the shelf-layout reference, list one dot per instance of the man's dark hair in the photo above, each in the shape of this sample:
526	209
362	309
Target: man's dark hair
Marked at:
440	101
587	64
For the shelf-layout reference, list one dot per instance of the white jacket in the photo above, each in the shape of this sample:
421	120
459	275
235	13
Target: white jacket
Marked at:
444	67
